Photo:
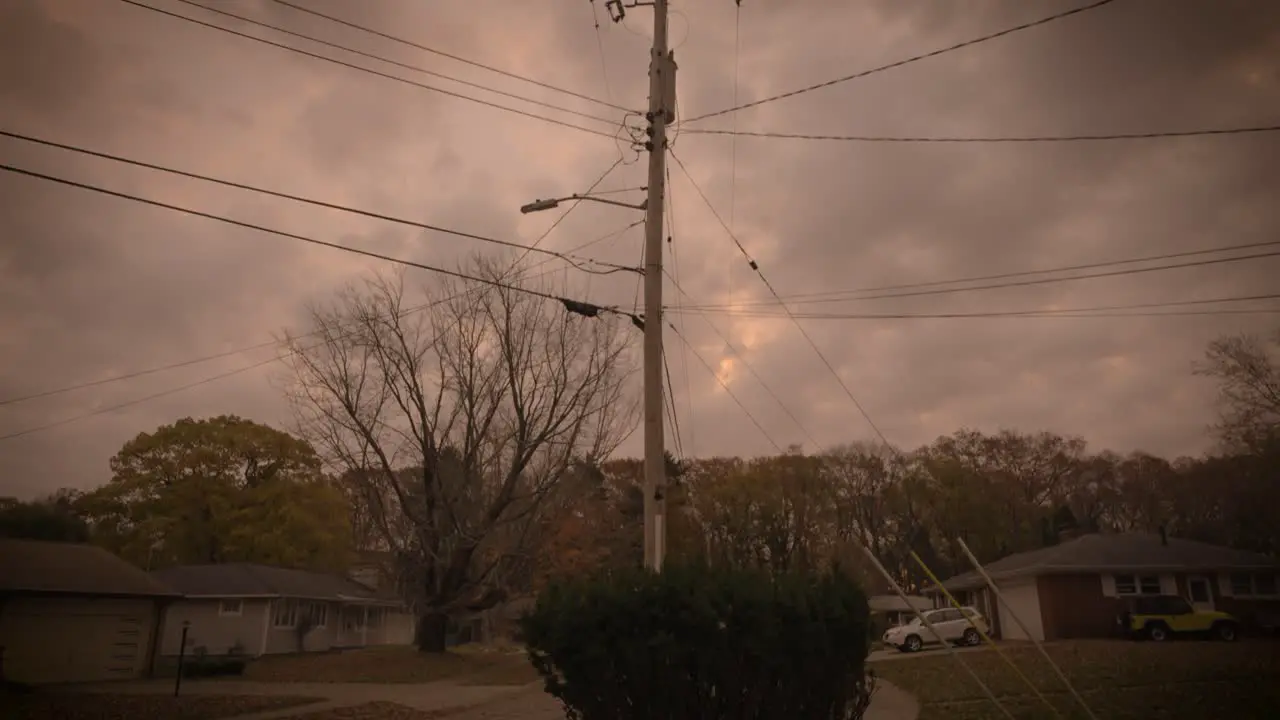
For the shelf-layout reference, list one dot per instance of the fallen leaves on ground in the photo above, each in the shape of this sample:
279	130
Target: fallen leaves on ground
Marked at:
373	711
1119	680
395	665
77	706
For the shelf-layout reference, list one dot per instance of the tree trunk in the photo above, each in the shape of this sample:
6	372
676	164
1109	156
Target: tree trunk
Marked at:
430	635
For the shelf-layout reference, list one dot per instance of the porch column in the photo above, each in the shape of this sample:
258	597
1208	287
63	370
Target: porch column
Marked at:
268	619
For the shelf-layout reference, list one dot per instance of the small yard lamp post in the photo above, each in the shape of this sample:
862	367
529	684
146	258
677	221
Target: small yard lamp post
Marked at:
182	654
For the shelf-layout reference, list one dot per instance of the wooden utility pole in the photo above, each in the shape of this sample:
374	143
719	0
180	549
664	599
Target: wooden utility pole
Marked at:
662	78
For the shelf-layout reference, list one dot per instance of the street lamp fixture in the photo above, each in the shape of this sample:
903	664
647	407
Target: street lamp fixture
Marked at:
552	203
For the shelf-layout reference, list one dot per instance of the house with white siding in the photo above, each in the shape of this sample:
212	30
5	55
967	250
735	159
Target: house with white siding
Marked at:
254	610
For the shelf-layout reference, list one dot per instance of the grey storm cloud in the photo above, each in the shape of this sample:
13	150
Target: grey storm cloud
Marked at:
93	286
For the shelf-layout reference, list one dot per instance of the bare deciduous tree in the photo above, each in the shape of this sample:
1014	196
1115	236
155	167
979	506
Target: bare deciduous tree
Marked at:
454	424
1248	376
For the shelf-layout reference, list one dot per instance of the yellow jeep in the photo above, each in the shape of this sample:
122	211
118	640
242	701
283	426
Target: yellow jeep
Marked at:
1162	617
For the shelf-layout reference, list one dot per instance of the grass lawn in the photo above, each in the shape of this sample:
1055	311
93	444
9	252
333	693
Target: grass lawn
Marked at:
396	665
75	706
1119	680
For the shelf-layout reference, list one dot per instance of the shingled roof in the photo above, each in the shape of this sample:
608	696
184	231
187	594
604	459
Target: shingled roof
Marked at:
1117	553
250	580
34	566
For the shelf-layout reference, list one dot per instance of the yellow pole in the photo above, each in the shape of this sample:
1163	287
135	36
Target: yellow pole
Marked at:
1008	661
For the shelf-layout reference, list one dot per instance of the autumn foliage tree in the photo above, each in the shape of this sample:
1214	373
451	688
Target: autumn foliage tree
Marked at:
221	489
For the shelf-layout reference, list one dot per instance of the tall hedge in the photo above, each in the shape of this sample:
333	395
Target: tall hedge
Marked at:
703	643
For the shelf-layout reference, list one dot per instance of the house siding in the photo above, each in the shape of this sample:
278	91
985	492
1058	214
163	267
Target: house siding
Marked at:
1074	606
1252	612
216	634
1084	605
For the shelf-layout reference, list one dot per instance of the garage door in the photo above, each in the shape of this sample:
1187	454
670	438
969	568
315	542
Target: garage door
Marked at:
73	640
1024	600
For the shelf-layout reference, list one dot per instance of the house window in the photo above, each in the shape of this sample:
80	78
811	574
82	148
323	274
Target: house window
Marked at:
1241	584
231	608
285	614
1253	585
375	618
319	614
1137	585
1264	584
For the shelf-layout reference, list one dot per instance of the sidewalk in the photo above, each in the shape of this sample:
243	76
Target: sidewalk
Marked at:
889	703
440	696
451	700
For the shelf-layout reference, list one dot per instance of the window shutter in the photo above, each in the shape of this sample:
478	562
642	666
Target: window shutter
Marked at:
1109	586
1168	585
1224	586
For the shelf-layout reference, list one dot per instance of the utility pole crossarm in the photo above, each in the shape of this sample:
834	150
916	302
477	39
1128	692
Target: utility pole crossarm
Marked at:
661	112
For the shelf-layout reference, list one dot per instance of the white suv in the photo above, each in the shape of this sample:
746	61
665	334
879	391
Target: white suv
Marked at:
956	627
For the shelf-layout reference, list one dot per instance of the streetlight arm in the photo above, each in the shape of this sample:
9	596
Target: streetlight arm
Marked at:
643	205
552	203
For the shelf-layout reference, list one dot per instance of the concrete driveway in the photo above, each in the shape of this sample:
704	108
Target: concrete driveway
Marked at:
885	655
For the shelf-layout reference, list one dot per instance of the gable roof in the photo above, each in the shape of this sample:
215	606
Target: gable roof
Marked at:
36	566
1117	552
250	580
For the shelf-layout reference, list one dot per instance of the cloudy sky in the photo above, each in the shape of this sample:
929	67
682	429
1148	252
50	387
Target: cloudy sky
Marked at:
93	286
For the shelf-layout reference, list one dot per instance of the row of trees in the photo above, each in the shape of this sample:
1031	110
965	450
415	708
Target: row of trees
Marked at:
1002	493
470	438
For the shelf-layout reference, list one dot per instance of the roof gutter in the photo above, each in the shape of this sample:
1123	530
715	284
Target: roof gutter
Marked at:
1036	570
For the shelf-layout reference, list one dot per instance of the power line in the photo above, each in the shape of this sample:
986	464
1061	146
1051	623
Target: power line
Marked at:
1027	139
189	362
253	366
671	407
733	140
907	61
1019	283
1043	271
135	401
745	363
725	385
353	66
318	203
604	66
754	266
247	348
441	53
203	381
615	191
569	303
537	243
946	316
1046	312
397	63
675	276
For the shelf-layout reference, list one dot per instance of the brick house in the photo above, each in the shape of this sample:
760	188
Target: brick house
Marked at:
1078	588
